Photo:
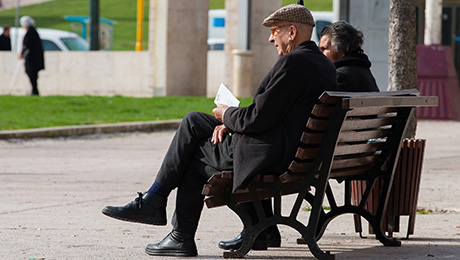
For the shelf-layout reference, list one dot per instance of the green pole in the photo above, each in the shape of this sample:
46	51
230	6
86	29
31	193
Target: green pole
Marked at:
94	25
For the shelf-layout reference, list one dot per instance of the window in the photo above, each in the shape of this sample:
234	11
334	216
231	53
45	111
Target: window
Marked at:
75	44
49	46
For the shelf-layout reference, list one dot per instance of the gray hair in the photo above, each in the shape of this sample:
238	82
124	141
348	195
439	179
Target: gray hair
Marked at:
27	21
344	37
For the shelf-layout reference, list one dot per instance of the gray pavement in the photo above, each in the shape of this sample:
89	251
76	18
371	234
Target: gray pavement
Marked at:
52	192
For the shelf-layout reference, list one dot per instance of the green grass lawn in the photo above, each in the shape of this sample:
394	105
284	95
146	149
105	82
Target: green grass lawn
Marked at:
23	112
123	12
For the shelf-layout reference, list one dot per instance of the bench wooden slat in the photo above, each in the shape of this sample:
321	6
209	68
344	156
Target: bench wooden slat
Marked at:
306	153
358	148
300	166
209	190
322	110
242	197
349	103
317	124
372	111
332	97
356	136
353	162
350	171
373	123
214	201
217	183
311	138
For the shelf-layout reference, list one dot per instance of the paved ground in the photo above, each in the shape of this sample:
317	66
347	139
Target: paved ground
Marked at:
52	191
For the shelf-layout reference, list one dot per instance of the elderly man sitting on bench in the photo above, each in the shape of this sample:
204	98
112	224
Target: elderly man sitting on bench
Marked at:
250	140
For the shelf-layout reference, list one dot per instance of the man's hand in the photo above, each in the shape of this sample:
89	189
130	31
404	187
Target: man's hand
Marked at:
218	134
219	112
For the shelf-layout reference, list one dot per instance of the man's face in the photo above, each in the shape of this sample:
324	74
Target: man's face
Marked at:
280	37
327	49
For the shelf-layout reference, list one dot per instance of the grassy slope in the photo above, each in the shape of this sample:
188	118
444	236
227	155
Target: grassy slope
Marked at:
50	15
22	112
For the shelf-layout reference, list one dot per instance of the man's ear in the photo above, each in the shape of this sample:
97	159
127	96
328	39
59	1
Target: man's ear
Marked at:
292	32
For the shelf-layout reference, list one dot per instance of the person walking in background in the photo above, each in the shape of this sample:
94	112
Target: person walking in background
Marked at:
5	41
342	44
32	52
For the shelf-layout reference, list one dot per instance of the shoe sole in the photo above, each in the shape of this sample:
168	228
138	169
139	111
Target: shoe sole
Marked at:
170	252
135	219
257	247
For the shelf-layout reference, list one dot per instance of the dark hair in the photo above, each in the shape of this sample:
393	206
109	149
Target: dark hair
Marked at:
344	37
6	27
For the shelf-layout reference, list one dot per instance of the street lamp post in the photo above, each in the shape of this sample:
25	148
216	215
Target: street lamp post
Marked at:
94	27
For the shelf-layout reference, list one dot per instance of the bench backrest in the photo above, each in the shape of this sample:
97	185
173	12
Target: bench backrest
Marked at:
353	133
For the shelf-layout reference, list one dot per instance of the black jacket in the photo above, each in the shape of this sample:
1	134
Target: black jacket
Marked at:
5	43
32	51
266	134
354	74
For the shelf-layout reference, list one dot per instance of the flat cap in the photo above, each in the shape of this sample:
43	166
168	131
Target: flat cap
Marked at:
294	13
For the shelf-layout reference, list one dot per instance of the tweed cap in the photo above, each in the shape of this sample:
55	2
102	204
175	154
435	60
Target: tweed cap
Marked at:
294	13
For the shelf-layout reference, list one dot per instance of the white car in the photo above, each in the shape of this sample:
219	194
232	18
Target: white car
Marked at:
216	27
52	40
322	19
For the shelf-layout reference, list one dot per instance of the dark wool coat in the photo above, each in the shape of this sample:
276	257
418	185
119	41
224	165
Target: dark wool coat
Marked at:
266	134
33	51
5	43
354	74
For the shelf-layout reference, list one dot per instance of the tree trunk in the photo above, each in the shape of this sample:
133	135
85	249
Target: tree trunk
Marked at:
402	56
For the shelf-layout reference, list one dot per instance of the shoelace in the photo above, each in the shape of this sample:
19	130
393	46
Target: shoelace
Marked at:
139	200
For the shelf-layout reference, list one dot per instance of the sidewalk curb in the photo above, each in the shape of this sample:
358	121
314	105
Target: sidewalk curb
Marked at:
80	130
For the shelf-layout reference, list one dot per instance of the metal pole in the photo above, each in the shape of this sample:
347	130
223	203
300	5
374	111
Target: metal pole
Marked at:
433	21
244	24
94	27
140	21
16	24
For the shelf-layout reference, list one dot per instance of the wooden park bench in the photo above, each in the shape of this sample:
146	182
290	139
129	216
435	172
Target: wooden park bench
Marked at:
350	136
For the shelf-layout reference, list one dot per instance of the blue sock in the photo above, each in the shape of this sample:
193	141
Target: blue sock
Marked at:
159	190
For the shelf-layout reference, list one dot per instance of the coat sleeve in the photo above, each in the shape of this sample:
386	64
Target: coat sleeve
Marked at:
25	43
271	105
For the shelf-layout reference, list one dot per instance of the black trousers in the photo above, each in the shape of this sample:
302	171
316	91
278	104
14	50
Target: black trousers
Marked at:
33	77
190	160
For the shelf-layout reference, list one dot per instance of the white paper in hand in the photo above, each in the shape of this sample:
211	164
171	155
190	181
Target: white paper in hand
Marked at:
225	97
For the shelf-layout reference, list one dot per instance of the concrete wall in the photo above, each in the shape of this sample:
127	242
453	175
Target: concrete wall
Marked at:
83	73
216	72
97	73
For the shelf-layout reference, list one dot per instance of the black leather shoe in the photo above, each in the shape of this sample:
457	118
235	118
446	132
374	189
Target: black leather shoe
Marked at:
259	244
148	208
174	244
273	236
